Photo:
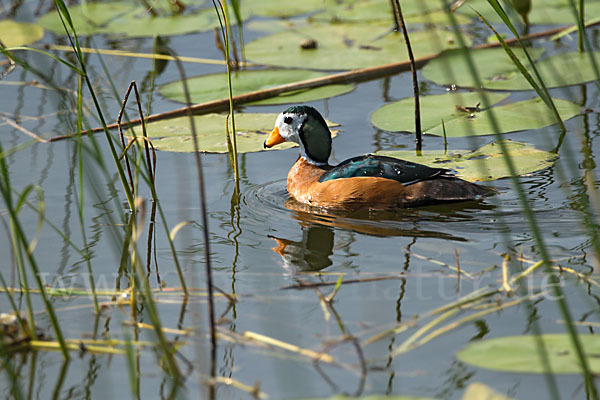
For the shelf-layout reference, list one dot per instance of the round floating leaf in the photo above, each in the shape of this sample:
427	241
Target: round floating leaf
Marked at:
275	8
484	164
415	12
520	354
13	33
462	118
127	19
558	70
497	71
400	115
176	134
376	10
371	397
545	12
479	391
494	64
344	46
214	86
90	18
144	25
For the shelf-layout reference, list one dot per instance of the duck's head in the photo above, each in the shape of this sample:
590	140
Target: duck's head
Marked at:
305	126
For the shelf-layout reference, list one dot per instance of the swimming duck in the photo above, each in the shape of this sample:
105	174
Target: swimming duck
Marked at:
367	182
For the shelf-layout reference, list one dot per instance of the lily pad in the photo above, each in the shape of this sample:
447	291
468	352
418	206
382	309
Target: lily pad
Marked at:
484	164
141	24
371	397
520	354
126	19
545	12
400	116
415	12
344	46
497	71
13	33
176	134
274	8
377	9
214	86
462	118
479	391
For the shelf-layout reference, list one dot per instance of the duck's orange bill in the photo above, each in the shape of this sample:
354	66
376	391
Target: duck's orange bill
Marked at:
274	138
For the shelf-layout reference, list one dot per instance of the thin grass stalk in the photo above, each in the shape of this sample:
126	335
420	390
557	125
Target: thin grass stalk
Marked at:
538	85
17	249
124	256
205	229
142	285
64	15
8	367
131	367
80	204
151	164
399	18
21	243
23	280
9	293
580	26
472	317
231	138
550	380
60	380
153	56
32	369
583	38
394	4
591	229
535	231
237	11
150	180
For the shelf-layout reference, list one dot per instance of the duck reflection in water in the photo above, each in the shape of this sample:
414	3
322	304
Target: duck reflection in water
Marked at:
310	254
313	252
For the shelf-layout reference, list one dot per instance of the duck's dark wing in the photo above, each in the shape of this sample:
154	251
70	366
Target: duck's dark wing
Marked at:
405	172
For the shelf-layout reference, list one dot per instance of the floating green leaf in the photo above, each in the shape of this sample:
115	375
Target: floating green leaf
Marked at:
479	391
214	86
376	9
371	397
274	8
144	25
90	18
497	71
520	354
484	164
416	12
494	64
14	33
400	116
176	134
544	12
344	46
462	118
126	19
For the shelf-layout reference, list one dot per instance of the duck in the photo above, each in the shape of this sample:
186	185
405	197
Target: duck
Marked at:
366	182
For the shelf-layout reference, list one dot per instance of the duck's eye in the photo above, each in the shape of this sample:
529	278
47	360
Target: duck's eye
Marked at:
287	120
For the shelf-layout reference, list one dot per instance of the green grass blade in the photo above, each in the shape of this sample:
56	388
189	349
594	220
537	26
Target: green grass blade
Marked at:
52	56
538	85
535	231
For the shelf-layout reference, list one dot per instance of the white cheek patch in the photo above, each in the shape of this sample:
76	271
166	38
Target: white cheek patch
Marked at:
289	131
